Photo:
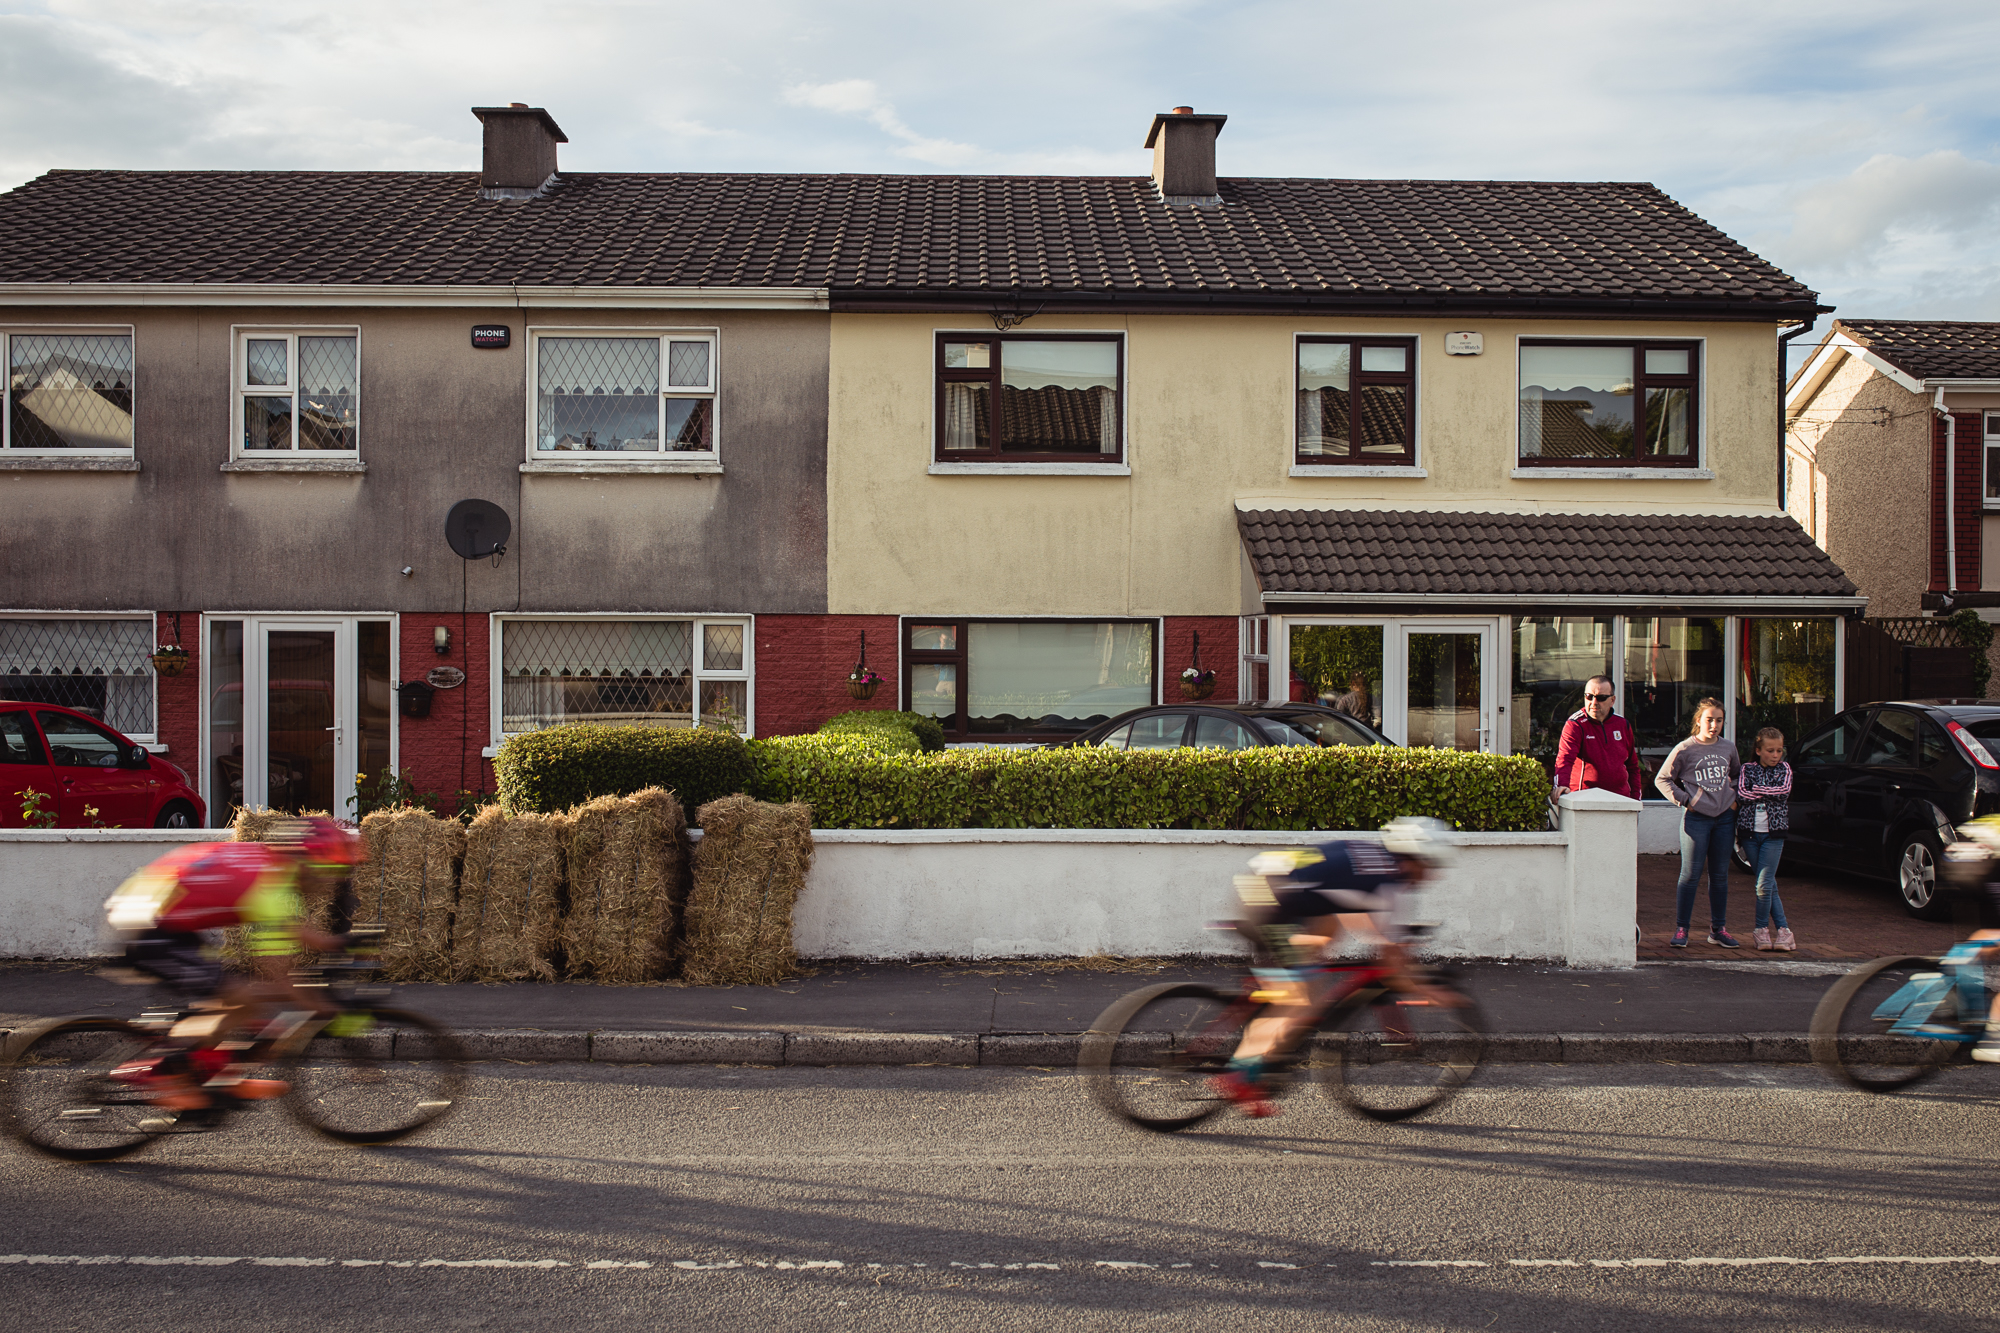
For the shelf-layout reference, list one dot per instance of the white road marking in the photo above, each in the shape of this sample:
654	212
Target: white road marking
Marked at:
834	1265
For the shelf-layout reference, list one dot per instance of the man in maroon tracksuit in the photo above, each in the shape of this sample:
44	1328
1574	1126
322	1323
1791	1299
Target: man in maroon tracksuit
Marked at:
1598	748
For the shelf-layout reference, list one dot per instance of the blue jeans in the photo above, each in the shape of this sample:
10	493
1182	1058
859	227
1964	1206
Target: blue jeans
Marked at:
1762	851
1705	839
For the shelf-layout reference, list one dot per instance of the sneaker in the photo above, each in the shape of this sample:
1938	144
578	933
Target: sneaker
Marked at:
1761	937
1248	1097
1724	938
1987	1052
1785	943
1680	940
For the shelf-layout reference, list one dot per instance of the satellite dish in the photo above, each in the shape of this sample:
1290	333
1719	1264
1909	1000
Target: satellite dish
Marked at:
476	528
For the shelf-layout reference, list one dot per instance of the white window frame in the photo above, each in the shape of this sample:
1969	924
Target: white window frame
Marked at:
1696	469
1413	468
7	336
240	336
661	460
496	658
1990	440
149	739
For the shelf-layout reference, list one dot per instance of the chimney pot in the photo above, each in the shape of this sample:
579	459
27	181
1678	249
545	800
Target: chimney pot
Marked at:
1183	147
522	105
519	150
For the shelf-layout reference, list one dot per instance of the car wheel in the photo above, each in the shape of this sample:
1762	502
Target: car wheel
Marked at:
177	814
1917	878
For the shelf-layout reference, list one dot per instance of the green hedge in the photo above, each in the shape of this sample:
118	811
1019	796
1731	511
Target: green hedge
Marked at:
927	731
559	767
853	783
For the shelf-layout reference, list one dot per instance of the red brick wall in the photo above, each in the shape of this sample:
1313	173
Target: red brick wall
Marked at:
1967	499
430	748
1218	653
180	696
802	664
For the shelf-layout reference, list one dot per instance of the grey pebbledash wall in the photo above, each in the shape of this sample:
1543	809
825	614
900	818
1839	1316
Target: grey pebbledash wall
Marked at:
440	422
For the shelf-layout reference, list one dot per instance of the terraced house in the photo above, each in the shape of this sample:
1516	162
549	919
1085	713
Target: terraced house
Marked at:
1039	443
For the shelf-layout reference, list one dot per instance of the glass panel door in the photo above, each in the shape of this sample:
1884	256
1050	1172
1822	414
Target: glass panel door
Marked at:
1445	704
304	698
297	709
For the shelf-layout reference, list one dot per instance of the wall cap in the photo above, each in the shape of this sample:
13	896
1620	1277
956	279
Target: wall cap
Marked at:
1595	798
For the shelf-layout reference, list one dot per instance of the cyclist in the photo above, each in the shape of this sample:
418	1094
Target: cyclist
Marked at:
1986	833
1299	902
264	887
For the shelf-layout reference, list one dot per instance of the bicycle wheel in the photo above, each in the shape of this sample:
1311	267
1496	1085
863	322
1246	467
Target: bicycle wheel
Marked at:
1149	1058
59	1098
395	1074
1389	1055
1851	1043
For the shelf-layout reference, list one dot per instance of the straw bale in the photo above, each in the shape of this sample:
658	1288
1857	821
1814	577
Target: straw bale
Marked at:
509	897
251	826
627	877
749	869
410	885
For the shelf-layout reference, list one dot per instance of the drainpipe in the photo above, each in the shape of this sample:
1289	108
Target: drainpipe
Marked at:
1783	379
1950	500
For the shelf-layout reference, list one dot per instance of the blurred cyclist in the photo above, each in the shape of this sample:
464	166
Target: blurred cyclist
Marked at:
1985	832
1299	902
266	888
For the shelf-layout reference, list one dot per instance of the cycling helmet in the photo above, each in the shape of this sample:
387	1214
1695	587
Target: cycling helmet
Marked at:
1428	840
317	840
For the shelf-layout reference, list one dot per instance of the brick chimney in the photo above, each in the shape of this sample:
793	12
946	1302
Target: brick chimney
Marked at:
1183	147
520	150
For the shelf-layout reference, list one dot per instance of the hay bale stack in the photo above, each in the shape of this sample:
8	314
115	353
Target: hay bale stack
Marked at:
749	869
251	826
627	870
409	885
509	897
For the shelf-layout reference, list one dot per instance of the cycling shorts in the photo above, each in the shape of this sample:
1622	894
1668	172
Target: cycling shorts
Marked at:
1299	903
179	960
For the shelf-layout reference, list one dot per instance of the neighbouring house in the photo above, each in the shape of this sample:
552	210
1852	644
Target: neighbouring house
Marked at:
1441	449
1893	466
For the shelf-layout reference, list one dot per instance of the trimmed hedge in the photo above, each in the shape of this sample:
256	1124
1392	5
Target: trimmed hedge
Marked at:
556	768
851	782
928	732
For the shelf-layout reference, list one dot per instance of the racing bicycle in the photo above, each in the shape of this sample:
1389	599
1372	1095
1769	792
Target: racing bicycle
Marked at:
1896	1021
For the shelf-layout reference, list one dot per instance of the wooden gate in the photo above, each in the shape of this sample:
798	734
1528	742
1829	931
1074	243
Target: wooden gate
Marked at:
1906	657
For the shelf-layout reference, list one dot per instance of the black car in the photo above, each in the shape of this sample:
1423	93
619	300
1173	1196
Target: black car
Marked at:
1880	789
1228	726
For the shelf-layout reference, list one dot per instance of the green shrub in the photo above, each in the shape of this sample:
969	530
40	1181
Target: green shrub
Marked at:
853	783
928	731
559	767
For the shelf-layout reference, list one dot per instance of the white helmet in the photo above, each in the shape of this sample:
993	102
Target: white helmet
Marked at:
1431	841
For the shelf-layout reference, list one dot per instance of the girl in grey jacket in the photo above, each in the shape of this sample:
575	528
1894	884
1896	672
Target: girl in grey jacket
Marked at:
1700	777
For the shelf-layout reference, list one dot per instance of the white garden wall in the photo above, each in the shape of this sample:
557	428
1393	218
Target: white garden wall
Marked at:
1566	896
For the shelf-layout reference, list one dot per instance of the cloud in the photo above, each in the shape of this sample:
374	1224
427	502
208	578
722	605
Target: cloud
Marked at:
1941	200
860	97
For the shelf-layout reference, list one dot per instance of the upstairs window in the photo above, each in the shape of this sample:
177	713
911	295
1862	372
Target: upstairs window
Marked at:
1357	401
1992	460
1609	404
298	392
67	393
1046	398
627	393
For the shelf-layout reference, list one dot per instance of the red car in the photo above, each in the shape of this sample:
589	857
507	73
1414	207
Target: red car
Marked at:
76	765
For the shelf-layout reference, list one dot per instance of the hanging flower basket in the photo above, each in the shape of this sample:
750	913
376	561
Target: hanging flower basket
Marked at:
861	683
170	661
1196	683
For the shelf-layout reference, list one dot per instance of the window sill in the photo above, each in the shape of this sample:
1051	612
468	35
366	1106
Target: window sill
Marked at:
1031	469
295	465
50	463
1613	474
606	466
1357	470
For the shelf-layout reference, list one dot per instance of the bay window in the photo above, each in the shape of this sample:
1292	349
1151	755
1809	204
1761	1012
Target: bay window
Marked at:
1026	679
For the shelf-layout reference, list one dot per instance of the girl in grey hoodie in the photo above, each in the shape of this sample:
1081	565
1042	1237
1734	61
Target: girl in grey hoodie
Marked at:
1700	777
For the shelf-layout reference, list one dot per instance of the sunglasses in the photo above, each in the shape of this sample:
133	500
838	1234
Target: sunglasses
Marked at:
1597	698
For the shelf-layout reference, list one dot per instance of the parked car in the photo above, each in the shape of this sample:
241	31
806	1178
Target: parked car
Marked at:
1880	789
1228	726
78	766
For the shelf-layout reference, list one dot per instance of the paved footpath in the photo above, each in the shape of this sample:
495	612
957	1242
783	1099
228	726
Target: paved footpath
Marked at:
1030	1014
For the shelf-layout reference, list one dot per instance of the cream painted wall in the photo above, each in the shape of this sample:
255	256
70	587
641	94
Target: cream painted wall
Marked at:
1208	426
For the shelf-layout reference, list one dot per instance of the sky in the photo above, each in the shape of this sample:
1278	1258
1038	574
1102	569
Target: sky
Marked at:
1855	145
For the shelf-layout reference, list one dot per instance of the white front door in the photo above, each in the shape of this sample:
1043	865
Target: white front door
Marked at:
1428	683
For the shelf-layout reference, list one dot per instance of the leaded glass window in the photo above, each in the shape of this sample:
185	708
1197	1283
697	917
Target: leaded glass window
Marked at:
298	392
624	393
67	391
645	672
102	667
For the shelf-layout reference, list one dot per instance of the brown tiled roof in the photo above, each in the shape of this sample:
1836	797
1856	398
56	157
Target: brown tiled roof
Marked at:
1429	244
1426	554
1930	349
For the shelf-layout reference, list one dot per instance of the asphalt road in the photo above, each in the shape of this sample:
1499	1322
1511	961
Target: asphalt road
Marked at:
1616	1197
